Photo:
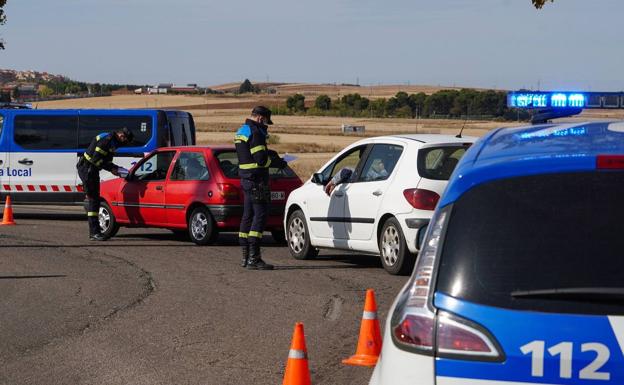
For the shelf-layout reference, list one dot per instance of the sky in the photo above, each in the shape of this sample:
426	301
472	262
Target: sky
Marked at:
503	44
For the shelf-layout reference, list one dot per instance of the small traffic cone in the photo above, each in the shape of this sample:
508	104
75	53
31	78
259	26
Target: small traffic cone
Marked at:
369	344
7	215
297	371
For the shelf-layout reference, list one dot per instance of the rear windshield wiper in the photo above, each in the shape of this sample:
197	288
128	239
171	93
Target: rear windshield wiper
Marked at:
598	294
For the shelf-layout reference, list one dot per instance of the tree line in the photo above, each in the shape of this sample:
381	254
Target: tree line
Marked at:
487	104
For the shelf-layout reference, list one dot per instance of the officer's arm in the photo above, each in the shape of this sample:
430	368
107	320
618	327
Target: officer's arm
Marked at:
103	150
258	149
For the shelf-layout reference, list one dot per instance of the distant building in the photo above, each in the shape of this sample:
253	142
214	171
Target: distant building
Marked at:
189	88
352	129
25	91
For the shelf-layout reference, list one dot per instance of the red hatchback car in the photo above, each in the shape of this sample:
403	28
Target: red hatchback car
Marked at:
194	190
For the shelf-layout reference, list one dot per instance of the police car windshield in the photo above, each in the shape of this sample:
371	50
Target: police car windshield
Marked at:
537	234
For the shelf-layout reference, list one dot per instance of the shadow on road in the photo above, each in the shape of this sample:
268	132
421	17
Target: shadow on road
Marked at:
354	261
31	276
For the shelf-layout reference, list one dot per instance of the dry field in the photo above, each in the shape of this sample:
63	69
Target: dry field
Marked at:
334	90
313	139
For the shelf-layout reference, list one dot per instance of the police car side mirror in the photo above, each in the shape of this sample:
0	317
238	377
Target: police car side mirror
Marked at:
317	178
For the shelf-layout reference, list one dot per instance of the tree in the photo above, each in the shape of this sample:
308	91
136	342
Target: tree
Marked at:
323	102
540	3
2	19
45	91
246	86
296	102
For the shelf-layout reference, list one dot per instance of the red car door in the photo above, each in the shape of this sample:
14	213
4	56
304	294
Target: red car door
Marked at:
187	183
143	196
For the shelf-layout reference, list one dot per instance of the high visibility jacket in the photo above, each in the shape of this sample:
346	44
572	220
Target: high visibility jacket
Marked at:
101	151
251	148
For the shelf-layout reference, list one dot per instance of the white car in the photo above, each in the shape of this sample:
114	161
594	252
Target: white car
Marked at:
395	184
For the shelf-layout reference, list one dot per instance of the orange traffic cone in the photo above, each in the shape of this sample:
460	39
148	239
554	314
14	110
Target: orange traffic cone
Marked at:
297	371
7	215
369	344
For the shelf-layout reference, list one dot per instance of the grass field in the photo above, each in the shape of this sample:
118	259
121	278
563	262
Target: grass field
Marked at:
314	139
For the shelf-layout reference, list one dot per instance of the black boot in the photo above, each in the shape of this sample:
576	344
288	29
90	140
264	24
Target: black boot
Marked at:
94	230
245	258
255	261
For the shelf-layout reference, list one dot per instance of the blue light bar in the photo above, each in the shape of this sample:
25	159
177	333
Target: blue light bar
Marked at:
546	99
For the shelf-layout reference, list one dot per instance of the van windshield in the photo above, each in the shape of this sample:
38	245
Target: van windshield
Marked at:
509	239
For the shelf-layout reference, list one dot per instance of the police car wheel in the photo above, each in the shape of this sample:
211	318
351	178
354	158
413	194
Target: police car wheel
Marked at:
298	237
108	223
201	226
395	256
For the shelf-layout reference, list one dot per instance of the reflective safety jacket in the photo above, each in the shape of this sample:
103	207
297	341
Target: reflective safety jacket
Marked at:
251	148
101	151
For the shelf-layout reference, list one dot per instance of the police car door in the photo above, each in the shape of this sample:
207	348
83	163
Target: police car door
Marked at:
43	156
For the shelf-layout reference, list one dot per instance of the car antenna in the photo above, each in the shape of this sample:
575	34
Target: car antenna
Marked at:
462	128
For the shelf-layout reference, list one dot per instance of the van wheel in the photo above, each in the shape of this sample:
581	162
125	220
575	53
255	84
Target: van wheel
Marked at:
395	256
279	236
299	238
108	224
201	226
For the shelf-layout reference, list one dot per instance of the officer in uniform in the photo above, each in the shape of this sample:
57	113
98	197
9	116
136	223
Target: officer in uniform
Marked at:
98	156
254	159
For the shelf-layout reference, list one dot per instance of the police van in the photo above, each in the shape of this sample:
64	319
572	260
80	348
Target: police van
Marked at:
521	277
39	149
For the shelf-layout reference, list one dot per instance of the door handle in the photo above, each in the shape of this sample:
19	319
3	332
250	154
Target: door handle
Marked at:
159	188
338	194
25	161
377	193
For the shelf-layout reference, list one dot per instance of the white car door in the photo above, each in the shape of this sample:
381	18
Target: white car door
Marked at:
364	196
326	213
43	156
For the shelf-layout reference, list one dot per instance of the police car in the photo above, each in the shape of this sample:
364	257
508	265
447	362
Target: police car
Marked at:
521	276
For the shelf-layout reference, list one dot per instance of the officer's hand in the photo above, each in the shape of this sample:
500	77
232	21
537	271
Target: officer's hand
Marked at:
329	188
279	163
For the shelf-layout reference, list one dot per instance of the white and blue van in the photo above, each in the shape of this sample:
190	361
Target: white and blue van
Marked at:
521	276
39	149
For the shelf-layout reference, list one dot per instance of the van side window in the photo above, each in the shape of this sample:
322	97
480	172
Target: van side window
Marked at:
176	131
91	126
41	132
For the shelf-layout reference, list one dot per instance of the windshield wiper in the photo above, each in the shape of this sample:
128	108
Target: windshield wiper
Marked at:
599	294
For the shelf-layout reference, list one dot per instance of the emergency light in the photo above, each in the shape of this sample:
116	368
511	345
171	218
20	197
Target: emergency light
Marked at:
564	100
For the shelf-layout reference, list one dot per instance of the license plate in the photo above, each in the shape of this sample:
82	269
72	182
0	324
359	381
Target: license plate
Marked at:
277	195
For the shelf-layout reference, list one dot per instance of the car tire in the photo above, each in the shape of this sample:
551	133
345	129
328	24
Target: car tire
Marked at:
298	237
108	224
201	226
395	256
279	236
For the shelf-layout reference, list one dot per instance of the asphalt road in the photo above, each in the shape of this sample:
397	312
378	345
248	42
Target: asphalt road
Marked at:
148	308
